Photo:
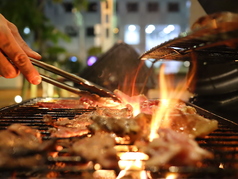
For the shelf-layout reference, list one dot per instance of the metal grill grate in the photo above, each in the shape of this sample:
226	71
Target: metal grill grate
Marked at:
222	142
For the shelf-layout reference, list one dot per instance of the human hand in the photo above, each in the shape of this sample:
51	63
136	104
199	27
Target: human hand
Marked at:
13	47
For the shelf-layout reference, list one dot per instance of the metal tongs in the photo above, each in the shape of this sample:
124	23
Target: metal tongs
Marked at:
93	88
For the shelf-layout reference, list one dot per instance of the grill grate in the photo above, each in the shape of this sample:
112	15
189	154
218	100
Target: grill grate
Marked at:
223	142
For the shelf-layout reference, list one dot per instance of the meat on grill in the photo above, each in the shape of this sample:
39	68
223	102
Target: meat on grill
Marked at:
65	127
173	148
184	119
87	101
187	120
134	127
22	147
113	112
61	104
99	149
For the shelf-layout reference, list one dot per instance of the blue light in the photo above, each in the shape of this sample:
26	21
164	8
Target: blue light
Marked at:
27	30
73	59
91	60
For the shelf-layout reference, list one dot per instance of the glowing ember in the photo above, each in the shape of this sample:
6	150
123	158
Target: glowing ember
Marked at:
135	174
132	162
133	156
104	174
221	165
172	176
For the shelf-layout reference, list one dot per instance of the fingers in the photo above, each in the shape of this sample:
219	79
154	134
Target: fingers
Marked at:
13	51
29	52
7	70
9	39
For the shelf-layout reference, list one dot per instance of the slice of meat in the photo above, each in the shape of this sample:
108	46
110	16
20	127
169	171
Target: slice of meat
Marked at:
99	149
22	147
66	132
183	118
173	148
66	103
194	125
113	112
186	120
65	127
134	127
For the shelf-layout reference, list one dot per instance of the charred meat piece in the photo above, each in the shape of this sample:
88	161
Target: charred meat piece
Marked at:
187	120
173	149
111	112
183	118
65	127
148	106
135	127
66	103
97	101
191	124
22	147
99	149
65	132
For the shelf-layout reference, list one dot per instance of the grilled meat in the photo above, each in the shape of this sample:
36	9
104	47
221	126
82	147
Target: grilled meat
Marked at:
65	127
67	103
173	148
112	112
99	149
182	118
134	127
22	147
188	121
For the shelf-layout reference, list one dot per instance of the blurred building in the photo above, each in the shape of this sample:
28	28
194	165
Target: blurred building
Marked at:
141	24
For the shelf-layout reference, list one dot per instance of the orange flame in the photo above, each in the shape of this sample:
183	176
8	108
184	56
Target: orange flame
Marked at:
131	78
168	97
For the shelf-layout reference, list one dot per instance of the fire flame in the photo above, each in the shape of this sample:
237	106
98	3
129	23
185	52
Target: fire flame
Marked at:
168	97
132	103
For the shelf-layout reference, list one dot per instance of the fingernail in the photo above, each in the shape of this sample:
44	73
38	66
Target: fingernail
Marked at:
36	80
37	54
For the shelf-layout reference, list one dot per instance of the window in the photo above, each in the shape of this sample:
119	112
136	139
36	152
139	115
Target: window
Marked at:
92	7
71	31
152	6
90	32
132	34
107	32
116	7
132	7
173	7
107	5
68	6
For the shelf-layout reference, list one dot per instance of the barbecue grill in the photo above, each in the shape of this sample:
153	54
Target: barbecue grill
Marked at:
223	143
210	43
